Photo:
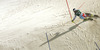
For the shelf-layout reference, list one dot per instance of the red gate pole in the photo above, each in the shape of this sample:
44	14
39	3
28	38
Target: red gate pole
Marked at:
81	5
69	9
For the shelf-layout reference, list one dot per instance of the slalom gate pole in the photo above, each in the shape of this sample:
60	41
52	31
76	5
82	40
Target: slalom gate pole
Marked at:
69	9
81	5
97	45
48	42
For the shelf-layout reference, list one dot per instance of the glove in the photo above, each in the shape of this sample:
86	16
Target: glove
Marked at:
72	21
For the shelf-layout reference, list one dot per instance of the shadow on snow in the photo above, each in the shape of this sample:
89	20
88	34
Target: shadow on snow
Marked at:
58	35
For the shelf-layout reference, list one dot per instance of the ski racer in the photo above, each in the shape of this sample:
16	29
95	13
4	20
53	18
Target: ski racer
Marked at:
81	15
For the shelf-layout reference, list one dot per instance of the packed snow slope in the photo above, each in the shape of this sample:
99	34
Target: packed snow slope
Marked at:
23	24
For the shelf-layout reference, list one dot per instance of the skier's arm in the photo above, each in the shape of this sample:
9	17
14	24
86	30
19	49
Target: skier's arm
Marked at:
74	18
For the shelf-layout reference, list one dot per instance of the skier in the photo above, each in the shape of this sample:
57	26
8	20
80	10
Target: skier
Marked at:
81	15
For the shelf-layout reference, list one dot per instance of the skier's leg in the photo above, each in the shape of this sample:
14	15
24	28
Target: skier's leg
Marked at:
89	16
90	19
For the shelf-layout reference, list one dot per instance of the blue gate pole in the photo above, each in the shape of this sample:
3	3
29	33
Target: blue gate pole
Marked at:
48	42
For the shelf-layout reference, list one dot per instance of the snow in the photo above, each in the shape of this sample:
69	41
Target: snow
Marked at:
23	24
